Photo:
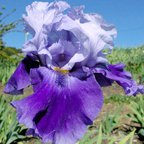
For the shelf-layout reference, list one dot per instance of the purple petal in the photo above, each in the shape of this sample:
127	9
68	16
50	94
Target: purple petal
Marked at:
62	52
68	24
89	31
123	78
60	5
102	80
36	79
20	78
62	107
78	73
77	13
94	35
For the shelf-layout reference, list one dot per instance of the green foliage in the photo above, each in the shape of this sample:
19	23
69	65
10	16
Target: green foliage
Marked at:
10	130
133	58
6	70
4	26
129	138
98	137
10	51
9	59
120	99
137	115
111	122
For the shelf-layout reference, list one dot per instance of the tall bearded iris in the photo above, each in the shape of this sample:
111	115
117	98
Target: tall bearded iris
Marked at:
66	67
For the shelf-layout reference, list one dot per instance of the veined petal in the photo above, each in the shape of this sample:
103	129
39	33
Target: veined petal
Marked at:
82	53
36	79
100	38
61	108
94	35
61	52
20	78
36	9
40	18
77	13
45	57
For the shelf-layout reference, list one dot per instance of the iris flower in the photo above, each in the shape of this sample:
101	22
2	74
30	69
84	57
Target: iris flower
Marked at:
66	66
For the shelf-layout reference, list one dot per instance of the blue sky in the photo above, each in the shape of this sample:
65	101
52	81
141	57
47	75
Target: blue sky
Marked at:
126	15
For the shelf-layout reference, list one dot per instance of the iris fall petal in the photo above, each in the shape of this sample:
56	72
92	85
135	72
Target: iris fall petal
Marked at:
20	78
61	108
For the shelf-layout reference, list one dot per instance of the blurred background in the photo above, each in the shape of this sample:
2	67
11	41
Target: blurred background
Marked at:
122	118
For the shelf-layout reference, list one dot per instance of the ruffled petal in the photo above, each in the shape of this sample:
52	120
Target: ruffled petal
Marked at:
94	35
82	53
62	107
89	31
100	38
42	13
117	73
102	80
77	14
40	18
21	79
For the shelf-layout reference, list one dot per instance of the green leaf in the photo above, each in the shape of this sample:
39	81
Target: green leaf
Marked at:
141	132
128	137
99	139
12	139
